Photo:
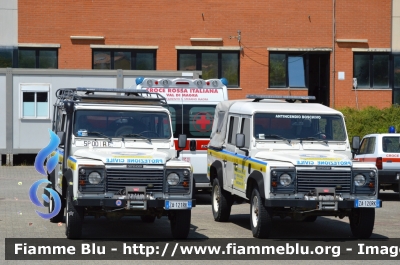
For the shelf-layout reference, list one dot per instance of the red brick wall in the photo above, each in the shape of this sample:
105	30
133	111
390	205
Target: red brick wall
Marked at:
263	24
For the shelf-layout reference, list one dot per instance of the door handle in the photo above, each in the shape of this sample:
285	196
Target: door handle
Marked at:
192	145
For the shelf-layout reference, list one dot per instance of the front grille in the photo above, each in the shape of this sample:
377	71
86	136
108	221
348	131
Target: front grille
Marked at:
308	180
119	178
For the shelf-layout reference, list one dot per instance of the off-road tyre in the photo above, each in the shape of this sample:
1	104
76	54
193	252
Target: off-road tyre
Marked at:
362	222
221	202
73	219
180	223
260	216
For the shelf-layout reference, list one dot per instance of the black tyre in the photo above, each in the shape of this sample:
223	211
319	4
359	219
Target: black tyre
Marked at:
74	218
260	216
180	223
221	202
310	219
45	192
148	218
60	216
362	222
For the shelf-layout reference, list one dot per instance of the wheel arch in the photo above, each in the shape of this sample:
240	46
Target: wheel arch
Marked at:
217	172
255	179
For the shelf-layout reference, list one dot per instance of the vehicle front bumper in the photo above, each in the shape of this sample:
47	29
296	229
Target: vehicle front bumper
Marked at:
122	203
311	204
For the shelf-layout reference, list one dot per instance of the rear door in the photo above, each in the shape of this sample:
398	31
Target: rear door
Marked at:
391	153
194	120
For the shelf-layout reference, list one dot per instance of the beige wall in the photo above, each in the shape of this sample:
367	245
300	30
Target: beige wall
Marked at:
8	22
396	26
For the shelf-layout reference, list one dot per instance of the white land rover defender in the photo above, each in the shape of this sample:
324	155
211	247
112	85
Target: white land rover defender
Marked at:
288	159
117	158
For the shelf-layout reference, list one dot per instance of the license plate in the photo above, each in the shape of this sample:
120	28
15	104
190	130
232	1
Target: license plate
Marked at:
367	204
170	205
98	144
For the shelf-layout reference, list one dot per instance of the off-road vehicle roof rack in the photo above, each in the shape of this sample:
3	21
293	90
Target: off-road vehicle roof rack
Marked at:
127	97
290	99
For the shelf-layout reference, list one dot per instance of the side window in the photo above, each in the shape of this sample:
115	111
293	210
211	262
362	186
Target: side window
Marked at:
391	144
246	131
371	145
58	121
363	147
221	115
233	128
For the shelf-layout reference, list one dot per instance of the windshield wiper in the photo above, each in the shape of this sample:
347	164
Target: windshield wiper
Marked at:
100	134
277	136
135	135
312	139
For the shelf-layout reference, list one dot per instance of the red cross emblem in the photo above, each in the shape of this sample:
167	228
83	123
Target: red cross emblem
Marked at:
202	122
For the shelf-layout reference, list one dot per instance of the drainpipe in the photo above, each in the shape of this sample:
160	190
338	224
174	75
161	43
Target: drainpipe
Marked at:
333	53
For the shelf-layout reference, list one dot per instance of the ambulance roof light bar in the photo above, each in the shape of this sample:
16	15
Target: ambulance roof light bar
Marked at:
179	81
291	99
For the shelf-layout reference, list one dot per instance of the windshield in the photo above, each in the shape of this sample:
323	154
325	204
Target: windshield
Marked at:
299	126
127	124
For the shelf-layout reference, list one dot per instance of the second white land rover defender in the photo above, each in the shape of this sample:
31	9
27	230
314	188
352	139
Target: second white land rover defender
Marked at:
288	159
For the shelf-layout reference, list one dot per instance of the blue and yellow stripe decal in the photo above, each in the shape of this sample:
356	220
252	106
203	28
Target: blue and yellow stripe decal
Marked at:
239	159
71	163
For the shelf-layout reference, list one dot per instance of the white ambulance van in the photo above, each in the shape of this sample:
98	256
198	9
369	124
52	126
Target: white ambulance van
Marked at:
192	105
382	149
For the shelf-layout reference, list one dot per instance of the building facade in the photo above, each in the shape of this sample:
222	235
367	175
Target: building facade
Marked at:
285	47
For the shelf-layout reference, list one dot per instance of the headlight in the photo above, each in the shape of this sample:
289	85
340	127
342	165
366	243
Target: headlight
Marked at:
186	173
359	180
285	179
95	177
372	174
173	179
273	173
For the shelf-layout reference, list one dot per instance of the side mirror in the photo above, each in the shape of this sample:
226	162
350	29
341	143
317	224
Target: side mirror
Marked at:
181	143
355	145
240	141
61	135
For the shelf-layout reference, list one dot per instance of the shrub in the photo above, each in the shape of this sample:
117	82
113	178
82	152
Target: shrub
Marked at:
370	120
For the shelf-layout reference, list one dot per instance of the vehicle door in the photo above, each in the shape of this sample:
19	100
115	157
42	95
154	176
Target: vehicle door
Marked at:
232	160
56	175
367	150
240	169
391	153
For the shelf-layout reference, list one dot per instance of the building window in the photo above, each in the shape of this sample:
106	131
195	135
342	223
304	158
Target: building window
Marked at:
37	58
372	70
124	59
287	70
35	101
6	57
213	64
